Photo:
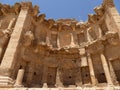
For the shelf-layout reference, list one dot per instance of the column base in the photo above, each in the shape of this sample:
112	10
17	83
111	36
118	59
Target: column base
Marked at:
79	84
45	85
72	86
116	83
110	87
18	86
59	85
6	81
110	84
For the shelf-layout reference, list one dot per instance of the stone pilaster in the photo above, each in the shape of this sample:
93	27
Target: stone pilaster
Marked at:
1	23
48	38
58	41
84	62
10	56
88	36
106	69
58	81
5	38
99	32
112	73
112	16
19	79
44	77
11	23
92	73
72	40
78	80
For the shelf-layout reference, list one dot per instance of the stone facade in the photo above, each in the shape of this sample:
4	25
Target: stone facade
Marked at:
39	52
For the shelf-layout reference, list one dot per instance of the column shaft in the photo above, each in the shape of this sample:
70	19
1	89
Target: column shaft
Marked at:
114	78
78	80
13	48
92	73
11	53
58	81
106	69
20	76
44	77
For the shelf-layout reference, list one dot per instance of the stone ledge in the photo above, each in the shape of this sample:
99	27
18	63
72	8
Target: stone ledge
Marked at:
78	88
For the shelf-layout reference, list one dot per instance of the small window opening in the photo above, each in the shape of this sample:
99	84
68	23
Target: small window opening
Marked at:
86	75
70	77
20	67
35	73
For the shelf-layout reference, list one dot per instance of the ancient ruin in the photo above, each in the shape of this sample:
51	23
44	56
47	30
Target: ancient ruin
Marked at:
47	53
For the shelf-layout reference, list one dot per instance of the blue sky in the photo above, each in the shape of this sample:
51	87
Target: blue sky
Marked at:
78	9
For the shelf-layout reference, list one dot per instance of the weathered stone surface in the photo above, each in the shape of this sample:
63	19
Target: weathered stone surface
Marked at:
36	52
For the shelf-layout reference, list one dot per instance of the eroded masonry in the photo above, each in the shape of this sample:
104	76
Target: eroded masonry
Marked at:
39	52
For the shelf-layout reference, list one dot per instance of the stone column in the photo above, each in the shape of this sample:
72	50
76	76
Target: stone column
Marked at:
58	81
48	38
114	78
44	77
5	38
1	22
11	23
72	40
84	62
19	79
112	17
106	69
92	73
88	36
58	41
78	80
99	32
10	56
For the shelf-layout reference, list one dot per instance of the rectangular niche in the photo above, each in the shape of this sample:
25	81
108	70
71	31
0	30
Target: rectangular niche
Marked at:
92	34
81	38
54	40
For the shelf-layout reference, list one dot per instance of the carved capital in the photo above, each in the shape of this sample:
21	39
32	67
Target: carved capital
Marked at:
73	25
28	38
5	9
92	18
7	32
54	28
82	51
17	8
26	5
35	10
95	47
51	23
83	25
112	38
108	3
99	10
59	26
41	18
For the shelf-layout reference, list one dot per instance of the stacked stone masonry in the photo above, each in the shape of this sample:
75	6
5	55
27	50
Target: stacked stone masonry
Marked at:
39	52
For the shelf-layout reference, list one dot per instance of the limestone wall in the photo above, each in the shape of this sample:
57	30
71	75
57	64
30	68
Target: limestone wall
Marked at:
60	52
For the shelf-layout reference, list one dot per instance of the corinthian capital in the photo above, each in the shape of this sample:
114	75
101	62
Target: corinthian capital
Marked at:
108	3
